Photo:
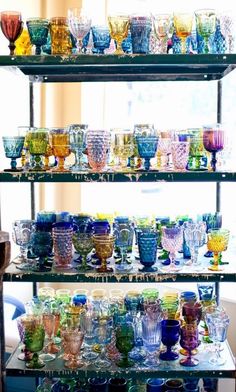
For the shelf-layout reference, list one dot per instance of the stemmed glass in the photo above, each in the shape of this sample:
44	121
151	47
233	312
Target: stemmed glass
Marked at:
87	326
147	142
170	331
13	146
79	26
151	334
77	135
147	245
189	341
125	342
162	25
38	143
217	323
61	147
49	323
227	27
104	245
83	244
41	245
103	334
119	28
213	141
101	38
34	339
183	27
164	148
213	221
123	231
12	26
172	241
22	230
73	341
38	31
217	242
195	237
123	147
206	25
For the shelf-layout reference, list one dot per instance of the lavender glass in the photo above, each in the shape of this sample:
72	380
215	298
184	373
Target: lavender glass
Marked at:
213	141
172	241
98	143
180	154
79	26
192	312
189	341
62	234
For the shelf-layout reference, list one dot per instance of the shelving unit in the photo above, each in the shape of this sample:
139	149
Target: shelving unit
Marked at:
120	68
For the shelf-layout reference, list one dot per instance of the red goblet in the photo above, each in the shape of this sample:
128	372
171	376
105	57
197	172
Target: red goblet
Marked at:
12	26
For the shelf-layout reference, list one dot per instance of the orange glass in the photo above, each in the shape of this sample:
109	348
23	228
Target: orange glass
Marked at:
60	36
104	245
61	147
119	27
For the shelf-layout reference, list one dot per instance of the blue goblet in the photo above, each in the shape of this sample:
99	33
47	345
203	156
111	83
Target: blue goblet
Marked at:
38	31
41	243
170	332
45	220
205	291
77	136
83	223
127	44
140	27
13	146
97	384
101	38
147	148
147	245
123	231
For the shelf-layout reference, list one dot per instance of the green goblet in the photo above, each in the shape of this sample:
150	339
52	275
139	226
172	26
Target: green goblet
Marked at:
34	341
38	144
125	343
83	244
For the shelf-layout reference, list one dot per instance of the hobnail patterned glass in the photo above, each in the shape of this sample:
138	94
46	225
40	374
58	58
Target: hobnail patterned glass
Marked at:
38	31
183	27
62	233
227	27
79	26
13	146
147	245
119	28
12	26
101	38
217	242
77	136
195	237
98	144
206	25
140	28
180	154
172	241
213	141
162	25
34	339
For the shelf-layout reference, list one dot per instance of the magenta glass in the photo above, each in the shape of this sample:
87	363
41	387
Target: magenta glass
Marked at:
180	153
62	233
11	25
98	144
213	141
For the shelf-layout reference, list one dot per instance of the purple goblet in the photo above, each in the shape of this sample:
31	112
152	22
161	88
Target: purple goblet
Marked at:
172	241
189	341
170	330
213	141
192	312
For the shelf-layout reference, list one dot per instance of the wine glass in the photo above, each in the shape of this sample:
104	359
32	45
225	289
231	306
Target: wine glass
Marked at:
217	323
125	342
206	25
170	331
13	147
79	26
38	31
183	27
217	242
77	135
195	237
12	26
49	323
147	148
83	244
151	335
119	28
123	231
22	230
172	241
88	327
162	25
104	245
192	312
213	221
189	341
213	141
61	147
103	334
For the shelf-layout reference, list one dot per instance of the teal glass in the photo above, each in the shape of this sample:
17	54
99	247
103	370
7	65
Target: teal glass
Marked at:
101	38
41	243
38	31
147	245
147	148
13	146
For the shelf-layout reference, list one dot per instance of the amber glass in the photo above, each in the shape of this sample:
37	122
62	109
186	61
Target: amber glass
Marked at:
183	25
217	242
11	25
119	27
104	245
60	36
61	147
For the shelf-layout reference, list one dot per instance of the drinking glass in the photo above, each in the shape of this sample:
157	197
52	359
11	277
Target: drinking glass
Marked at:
227	28
34	339
62	234
151	334
183	27
162	25
123	231
83	244
213	140
38	143
140	28
164	148
22	230
206	25
155	384
22	322
195	237
77	135
189	341
147	148
60	36
49	323
213	221
88	327
172	241
97	384
217	242
147	245
38	30
61	147
117	385
79	26
125	342
123	148
13	146
180	154
104	245
73	340
217	323
101	38
12	26
192	312
103	334
170	331
41	245
98	143
119	27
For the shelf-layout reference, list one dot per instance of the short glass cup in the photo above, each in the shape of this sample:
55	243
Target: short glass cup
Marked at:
38	31
13	146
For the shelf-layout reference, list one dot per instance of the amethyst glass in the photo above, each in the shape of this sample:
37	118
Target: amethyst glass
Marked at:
98	144
213	141
170	331
192	312
12	26
189	341
62	233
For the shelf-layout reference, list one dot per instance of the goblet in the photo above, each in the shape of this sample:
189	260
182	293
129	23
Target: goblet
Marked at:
183	27
164	148
62	234
103	334
213	221
213	140
151	334
170	331
101	38
172	241
48	154
195	237
21	324
217	241
154	385
104	245
125	342
180	154
73	340
83	244
49	323
97	384
192	312
23	44
147	148
22	230
61	147
13	146
123	147
227	28
45	220
197	155
60	36
119	27
25	155
87	326
205	291
83	223
34	340
147	245
189	341
98	143
123	231
140	28
38	143
12	26
217	323
38	30
206	25
41	245
79	26
77	134
162	25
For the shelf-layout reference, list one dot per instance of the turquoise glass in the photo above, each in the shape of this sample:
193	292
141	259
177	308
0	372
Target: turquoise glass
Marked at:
101	38
13	146
38	31
147	245
147	148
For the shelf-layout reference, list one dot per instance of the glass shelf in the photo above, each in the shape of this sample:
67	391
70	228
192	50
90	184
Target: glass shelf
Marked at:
133	67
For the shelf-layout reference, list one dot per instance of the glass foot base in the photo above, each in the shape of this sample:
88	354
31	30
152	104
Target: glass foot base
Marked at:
13	170
189	362
90	356
125	363
84	268
148	269
104	269
63	267
103	363
46	357
35	365
74	365
172	268
182	351
169	356
124	267
24	267
151	364
215	268
218	361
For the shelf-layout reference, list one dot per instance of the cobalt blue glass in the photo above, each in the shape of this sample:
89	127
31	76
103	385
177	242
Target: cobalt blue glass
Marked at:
147	148
188	296
97	384
127	44
83	224
85	42
101	227
155	384
45	220
41	245
13	146
79	299
219	43
101	38
170	333
147	245
38	31
60	387
205	291
117	385
140	28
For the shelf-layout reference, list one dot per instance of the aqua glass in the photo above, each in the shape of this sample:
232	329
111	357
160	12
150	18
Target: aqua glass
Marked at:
38	144
123	231
170	332
140	28
101	38
147	245
83	244
206	25
41	245
151	334
13	146
147	148
213	141
38	31
77	136
125	342
195	237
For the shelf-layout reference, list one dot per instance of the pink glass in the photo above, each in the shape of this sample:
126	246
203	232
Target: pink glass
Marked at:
73	340
164	147
12	26
213	141
172	241
98	143
62	243
49	323
180	153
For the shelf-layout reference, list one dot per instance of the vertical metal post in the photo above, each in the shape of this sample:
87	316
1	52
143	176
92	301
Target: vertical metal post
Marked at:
2	353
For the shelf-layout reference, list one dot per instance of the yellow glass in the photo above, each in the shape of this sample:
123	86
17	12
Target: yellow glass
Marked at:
183	23
61	148
217	242
118	26
98	293
105	216
104	245
123	148
38	141
23	44
60	36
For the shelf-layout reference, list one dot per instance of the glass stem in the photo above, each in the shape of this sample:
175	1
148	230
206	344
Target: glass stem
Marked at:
216	259
23	253
183	45
60	163
79	45
84	261
12	47
13	163
206	45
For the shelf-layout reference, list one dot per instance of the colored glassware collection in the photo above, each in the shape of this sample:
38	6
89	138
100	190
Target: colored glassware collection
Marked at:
116	150
205	31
